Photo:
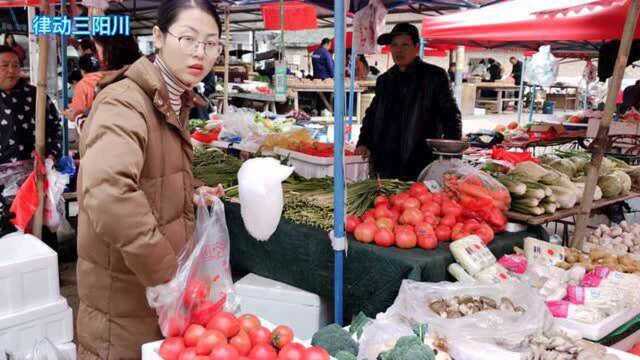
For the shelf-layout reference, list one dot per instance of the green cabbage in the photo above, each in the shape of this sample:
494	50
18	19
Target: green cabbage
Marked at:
580	162
564	166
548	158
610	185
607	166
625	181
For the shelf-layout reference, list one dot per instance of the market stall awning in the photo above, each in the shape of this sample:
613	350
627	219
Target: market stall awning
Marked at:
524	23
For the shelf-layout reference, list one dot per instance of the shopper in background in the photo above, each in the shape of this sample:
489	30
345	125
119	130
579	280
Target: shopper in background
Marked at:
516	70
135	184
631	98
412	102
87	47
322	61
452	72
85	90
362	68
10	41
18	113
115	54
494	69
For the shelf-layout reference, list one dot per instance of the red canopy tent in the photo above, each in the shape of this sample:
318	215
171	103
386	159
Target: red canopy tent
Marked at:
525	23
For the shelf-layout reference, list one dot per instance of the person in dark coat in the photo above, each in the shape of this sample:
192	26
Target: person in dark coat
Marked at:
516	69
322	61
631	98
495	70
413	102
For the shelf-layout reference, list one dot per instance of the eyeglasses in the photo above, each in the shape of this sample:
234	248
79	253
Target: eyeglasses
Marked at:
10	66
190	45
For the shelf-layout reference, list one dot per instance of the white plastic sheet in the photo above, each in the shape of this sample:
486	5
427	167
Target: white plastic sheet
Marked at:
368	24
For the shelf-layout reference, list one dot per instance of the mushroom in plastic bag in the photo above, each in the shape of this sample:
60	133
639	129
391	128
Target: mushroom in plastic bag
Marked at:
261	199
542	70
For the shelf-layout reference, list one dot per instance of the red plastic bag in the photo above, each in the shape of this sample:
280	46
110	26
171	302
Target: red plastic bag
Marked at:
202	286
26	202
498	153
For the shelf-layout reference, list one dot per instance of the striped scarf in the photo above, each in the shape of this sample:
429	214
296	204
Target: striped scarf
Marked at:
175	87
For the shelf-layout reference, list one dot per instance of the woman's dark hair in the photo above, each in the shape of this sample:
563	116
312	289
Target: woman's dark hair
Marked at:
89	63
75	76
118	51
6	39
325	41
363	60
87	44
7	49
169	10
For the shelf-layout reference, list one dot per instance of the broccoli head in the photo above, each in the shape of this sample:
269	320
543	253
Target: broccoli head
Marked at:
344	355
334	339
408	348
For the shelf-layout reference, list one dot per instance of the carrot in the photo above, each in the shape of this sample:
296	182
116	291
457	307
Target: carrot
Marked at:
474	190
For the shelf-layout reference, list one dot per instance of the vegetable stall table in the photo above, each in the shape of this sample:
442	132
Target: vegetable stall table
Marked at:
321	90
505	93
302	256
560	215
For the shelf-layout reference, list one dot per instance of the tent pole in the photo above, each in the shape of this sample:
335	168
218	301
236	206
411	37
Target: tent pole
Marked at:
227	43
41	107
65	76
459	70
600	143
533	102
340	241
521	92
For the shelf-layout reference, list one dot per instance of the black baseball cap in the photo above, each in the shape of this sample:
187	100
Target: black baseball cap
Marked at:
400	29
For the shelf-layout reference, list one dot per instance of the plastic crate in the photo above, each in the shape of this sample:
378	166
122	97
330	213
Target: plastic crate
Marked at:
19	332
28	273
308	166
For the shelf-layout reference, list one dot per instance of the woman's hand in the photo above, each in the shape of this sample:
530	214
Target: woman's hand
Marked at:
208	194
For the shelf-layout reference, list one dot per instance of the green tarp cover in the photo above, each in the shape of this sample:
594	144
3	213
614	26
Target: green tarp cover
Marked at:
302	256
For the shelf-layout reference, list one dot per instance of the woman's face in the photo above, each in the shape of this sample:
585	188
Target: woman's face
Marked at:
9	40
9	70
189	50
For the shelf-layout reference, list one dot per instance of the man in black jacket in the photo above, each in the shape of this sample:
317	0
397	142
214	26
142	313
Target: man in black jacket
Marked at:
412	102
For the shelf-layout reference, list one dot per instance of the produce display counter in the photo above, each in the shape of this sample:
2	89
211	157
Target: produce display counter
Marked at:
565	213
302	256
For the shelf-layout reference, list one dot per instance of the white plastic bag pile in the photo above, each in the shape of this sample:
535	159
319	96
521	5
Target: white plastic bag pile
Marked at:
542	70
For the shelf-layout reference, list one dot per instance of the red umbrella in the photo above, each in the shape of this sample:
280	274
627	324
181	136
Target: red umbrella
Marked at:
519	22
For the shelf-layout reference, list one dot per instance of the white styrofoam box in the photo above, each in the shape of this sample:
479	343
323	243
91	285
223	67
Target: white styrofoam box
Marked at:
28	273
280	303
597	331
19	332
307	166
622	355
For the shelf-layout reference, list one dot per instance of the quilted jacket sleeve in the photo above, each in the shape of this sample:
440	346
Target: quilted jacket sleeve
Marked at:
114	143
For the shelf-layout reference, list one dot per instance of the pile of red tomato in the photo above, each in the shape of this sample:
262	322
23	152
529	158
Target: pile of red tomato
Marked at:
206	137
226	337
317	148
417	218
201	330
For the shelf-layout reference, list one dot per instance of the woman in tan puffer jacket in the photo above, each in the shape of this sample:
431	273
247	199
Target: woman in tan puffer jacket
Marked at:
135	184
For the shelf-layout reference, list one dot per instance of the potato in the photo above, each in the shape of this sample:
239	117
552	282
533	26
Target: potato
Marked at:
626	260
597	254
564	265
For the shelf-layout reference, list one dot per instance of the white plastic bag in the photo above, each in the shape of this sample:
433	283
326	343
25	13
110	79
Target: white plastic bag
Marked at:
381	335
54	203
542	70
238	123
261	198
203	285
368	23
493	327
